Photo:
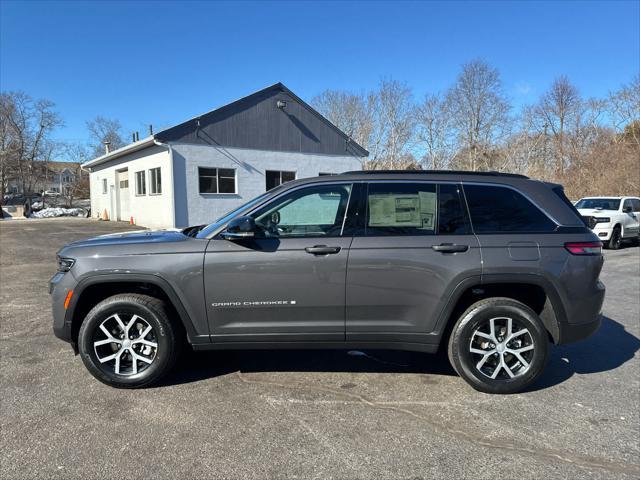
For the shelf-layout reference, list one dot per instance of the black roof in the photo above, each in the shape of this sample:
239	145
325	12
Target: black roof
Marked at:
255	121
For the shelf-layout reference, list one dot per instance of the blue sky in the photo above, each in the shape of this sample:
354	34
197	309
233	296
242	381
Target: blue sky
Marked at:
164	62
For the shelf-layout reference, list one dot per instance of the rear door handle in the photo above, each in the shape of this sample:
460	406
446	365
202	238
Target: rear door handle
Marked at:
322	250
450	248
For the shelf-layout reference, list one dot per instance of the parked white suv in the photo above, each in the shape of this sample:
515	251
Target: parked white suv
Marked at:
612	218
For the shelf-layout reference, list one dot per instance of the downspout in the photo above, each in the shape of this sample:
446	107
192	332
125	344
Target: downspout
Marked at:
173	180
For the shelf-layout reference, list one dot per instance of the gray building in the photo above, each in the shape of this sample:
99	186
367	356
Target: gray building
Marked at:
195	172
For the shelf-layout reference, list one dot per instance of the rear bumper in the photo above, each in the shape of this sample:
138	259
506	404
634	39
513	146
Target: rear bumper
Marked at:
573	332
586	318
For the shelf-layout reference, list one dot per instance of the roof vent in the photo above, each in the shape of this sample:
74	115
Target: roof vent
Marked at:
107	147
281	104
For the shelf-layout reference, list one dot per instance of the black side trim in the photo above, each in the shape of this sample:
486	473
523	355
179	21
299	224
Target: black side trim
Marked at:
416	347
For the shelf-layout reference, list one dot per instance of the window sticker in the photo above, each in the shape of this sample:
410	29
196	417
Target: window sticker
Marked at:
402	210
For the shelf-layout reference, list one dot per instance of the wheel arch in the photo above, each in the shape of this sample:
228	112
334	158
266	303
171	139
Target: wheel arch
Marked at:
533	290
96	288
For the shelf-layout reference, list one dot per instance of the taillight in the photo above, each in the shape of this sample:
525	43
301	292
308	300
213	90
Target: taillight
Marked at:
584	248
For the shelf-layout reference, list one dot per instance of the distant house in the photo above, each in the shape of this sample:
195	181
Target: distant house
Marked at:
195	172
56	177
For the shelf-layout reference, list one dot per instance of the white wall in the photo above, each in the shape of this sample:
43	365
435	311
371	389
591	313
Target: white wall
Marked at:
147	210
193	208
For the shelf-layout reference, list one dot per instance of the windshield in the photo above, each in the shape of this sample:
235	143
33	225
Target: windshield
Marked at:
212	227
599	203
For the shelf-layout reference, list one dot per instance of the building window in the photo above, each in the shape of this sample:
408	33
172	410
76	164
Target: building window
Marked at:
141	183
155	181
217	180
124	184
104	185
275	178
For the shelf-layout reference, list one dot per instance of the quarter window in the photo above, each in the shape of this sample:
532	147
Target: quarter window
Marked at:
503	210
155	181
310	212
141	183
217	180
276	178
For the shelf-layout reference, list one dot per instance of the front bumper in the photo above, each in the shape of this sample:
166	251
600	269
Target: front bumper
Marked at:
59	287
603	231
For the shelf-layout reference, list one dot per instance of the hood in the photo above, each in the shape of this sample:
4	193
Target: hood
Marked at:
135	237
593	212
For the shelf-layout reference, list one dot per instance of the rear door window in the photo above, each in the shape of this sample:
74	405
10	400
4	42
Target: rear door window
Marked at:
496	209
414	209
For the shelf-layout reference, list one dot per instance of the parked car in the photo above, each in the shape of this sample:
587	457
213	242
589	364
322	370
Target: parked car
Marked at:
613	219
52	193
364	260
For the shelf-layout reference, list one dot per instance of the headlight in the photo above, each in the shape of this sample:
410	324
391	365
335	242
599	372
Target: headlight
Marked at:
602	219
65	264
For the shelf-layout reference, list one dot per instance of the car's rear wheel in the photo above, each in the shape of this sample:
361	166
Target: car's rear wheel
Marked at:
499	345
615	242
128	341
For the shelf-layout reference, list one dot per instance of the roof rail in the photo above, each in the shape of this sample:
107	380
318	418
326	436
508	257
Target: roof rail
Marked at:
434	172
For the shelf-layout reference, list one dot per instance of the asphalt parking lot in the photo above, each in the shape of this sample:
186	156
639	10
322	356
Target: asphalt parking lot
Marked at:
306	414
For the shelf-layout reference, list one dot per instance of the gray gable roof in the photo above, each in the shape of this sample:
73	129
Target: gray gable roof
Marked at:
255	122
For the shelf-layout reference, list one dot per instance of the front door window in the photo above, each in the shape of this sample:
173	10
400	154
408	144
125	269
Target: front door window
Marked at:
309	212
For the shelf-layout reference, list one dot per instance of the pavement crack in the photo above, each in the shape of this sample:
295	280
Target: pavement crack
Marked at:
542	453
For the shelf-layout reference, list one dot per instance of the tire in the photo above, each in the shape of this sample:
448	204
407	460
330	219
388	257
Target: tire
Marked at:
137	363
615	242
470	338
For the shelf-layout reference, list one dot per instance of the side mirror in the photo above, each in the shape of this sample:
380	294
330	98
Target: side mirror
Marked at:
627	209
240	228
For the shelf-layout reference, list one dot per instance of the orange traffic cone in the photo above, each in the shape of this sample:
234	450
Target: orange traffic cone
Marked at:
105	215
131	222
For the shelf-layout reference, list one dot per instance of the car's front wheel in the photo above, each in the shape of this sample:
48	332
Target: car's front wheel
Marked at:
128	341
615	242
499	345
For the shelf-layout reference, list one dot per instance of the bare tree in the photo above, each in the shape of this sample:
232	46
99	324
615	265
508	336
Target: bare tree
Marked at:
479	112
523	151
27	146
79	186
624	109
558	110
434	132
103	130
351	113
394	122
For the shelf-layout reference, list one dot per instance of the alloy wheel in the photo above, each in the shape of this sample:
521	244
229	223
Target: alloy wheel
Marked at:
125	347
502	348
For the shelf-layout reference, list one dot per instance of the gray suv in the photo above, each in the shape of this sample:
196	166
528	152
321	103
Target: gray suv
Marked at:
492	267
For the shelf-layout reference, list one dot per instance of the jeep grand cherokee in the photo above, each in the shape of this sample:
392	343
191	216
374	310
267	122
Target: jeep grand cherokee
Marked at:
491	267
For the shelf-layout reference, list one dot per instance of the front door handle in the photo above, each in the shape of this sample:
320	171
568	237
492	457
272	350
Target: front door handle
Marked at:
322	250
450	248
